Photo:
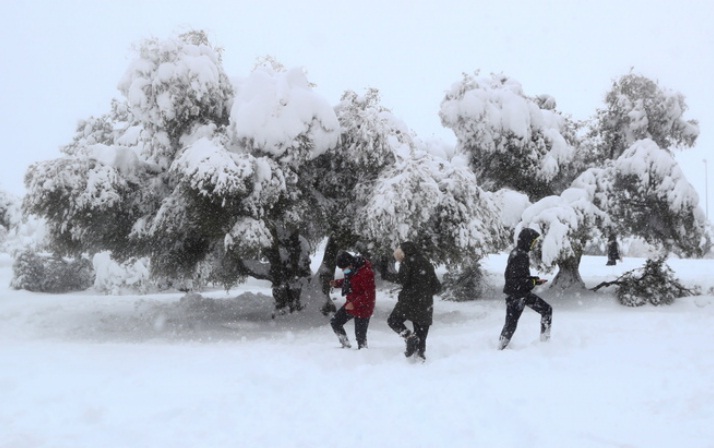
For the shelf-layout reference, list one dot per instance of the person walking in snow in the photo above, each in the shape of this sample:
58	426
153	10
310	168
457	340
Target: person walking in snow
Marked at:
613	250
519	284
416	299
360	293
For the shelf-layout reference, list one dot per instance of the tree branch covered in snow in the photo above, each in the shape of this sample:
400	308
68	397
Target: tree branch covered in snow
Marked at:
655	284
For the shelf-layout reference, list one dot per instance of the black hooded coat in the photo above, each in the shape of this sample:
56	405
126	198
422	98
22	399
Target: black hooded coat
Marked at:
519	280
419	284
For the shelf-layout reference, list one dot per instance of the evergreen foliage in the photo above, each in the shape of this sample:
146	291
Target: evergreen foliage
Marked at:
40	273
654	283
513	141
436	204
652	199
638	108
463	285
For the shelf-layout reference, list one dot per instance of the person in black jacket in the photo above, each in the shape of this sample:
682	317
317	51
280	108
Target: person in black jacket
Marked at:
613	251
519	284
416	299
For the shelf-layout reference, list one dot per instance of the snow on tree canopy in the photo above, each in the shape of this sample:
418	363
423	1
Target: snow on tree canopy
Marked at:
91	183
497	106
422	195
211	170
638	108
369	130
277	112
598	184
248	236
121	158
504	130
512	205
208	168
655	167
176	80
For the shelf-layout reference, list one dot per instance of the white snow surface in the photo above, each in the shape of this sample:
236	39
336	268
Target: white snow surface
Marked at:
168	370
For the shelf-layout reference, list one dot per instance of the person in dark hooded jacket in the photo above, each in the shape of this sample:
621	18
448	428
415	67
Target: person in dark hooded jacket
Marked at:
518	286
416	299
613	251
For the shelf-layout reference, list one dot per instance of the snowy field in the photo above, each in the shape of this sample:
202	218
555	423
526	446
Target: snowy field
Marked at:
84	370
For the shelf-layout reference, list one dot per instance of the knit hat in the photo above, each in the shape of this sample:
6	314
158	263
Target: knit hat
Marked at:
344	259
409	248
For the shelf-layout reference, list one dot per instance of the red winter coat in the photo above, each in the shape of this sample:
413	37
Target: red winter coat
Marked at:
362	291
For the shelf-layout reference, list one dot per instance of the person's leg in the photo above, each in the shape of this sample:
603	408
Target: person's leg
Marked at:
421	332
396	322
514	309
338	322
541	307
361	326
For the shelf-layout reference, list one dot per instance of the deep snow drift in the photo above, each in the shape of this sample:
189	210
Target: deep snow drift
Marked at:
85	370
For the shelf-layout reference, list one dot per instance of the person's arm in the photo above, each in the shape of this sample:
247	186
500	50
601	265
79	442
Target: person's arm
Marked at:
387	271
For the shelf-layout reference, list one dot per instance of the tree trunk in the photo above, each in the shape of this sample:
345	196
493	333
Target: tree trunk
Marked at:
289	270
568	276
327	267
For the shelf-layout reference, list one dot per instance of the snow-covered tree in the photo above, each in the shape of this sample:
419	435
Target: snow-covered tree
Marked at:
511	136
172	86
641	186
638	189
278	117
116	172
566	223
10	217
343	177
654	200
637	108
192	170
10	214
381	174
436	203
513	141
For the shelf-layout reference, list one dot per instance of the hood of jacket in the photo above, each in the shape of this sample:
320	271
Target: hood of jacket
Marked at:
526	238
409	248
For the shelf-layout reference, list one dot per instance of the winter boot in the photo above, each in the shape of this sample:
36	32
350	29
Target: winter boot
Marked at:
420	356
344	341
503	342
545	333
412	342
361	345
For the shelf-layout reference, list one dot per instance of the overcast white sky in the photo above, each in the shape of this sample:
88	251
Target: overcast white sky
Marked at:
62	61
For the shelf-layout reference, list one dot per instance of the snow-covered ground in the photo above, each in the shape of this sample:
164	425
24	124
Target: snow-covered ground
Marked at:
86	370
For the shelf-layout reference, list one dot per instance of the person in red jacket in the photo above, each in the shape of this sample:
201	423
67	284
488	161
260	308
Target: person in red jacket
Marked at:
360	292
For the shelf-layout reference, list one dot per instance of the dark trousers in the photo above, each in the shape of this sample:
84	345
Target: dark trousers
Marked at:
339	320
514	309
396	322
